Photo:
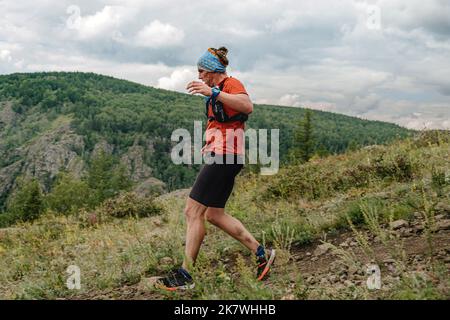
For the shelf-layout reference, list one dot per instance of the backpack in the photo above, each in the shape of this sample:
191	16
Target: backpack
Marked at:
219	113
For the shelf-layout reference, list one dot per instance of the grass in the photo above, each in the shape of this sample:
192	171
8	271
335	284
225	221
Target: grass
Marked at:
352	192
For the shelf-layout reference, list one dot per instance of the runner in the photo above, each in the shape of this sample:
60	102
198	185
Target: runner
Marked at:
227	107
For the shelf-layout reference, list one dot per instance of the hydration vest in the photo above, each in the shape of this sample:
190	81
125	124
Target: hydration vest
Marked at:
219	113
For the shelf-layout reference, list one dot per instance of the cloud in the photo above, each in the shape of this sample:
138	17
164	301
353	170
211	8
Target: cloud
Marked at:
157	35
147	74
321	54
5	55
103	23
178	79
290	100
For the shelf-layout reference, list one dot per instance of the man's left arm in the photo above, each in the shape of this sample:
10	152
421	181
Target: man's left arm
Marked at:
239	102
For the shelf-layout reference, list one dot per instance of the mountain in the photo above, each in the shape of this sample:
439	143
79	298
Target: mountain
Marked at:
59	121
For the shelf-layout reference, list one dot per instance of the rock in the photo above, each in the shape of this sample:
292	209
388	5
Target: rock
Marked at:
353	244
389	261
7	114
391	268
361	272
344	245
150	187
7	177
310	280
92	218
447	259
313	259
166	261
349	283
374	147
398	224
333	278
383	195
288	297
321	249
352	270
148	283
333	266
443	224
417	215
419	228
407	232
179	194
57	150
102	147
442	253
439	217
442	208
157	222
308	254
135	165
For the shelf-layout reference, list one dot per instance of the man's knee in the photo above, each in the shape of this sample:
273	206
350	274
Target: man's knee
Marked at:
193	211
213	215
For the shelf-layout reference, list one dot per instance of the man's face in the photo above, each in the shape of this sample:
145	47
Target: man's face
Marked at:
205	76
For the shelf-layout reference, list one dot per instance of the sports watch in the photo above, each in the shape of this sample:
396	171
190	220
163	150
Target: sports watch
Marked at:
215	92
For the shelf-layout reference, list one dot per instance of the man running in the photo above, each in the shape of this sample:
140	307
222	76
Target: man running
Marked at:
228	106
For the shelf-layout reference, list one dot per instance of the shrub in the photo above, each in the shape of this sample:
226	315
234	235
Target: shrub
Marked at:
303	235
438	180
330	176
6	219
129	205
354	212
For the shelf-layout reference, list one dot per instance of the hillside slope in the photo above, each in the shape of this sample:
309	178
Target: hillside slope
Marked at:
57	121
385	205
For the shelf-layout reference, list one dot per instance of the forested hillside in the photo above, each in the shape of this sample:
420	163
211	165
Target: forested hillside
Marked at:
58	121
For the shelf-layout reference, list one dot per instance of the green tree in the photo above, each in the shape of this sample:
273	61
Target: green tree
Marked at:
28	202
68	194
303	139
106	179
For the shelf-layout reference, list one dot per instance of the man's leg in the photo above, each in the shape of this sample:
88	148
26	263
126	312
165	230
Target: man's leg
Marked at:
232	226
195	231
236	229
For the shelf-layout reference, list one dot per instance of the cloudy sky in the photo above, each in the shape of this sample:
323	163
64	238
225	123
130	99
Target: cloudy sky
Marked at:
383	59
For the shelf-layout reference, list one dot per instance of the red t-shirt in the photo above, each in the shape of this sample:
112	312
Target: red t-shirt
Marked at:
227	137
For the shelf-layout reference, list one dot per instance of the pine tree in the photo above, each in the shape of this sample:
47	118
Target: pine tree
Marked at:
105	179
28	203
303	140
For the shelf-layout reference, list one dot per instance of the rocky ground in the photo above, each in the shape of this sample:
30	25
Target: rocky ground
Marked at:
340	262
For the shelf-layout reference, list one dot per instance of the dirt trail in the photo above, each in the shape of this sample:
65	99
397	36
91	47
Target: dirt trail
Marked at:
319	266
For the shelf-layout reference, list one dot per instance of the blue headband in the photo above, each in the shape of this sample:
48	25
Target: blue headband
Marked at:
211	63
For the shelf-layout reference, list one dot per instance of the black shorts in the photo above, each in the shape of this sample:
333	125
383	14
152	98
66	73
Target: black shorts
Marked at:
215	182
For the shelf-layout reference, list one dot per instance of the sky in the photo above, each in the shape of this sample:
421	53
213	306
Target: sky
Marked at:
385	60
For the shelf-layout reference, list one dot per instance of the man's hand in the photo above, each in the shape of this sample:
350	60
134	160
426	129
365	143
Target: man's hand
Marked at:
199	87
